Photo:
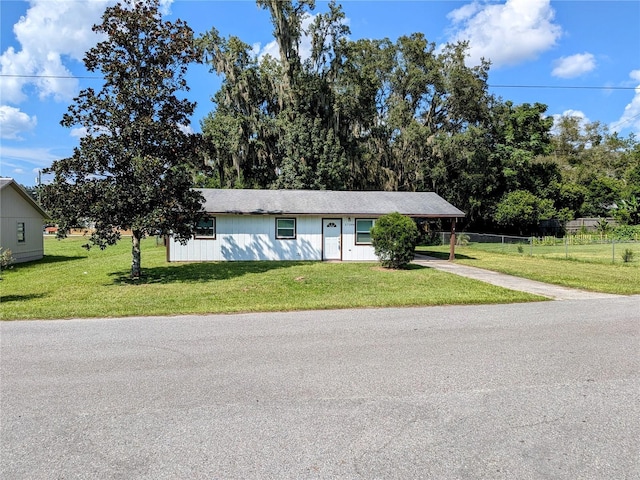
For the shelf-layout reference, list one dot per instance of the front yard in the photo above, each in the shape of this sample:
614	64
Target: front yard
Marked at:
73	283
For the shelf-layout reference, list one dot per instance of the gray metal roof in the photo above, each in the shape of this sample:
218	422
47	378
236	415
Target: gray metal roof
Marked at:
326	202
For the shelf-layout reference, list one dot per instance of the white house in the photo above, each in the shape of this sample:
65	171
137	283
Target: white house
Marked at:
21	222
298	224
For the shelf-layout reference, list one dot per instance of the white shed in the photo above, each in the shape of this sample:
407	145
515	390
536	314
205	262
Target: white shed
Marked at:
298	224
21	222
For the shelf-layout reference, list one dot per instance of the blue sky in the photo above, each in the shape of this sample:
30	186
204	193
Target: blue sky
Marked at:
545	51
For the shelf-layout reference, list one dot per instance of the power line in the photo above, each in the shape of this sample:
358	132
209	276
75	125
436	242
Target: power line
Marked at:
574	87
11	75
619	123
559	87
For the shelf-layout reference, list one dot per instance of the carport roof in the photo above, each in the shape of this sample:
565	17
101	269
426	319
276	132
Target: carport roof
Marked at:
327	202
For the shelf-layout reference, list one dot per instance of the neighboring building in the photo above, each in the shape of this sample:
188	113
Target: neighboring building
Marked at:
21	222
298	224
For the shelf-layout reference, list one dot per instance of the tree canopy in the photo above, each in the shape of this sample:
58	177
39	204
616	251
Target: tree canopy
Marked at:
366	114
133	169
377	114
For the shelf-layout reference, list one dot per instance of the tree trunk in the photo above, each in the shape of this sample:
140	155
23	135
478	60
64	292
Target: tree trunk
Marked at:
135	254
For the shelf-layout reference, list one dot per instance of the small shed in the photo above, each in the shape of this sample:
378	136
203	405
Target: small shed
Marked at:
298	224
21	222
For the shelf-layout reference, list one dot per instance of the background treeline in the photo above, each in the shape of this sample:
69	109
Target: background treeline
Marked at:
374	114
405	115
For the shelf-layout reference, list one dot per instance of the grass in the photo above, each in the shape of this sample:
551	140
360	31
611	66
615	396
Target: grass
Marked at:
73	283
605	253
596	276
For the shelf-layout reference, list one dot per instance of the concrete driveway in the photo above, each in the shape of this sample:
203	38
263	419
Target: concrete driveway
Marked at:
526	391
554	292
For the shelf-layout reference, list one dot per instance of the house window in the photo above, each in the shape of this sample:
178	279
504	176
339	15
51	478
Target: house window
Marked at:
285	228
363	230
206	228
21	236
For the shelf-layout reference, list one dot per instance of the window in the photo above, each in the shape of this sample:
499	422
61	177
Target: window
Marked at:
21	237
206	227
363	230
285	228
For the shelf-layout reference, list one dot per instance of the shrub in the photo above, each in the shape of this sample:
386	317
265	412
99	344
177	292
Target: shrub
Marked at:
627	256
603	227
462	239
6	259
394	238
627	232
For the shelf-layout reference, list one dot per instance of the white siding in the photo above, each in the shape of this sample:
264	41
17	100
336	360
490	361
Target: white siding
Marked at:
15	209
253	237
351	251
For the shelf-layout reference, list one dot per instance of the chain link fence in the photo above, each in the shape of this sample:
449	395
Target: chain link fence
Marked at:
589	248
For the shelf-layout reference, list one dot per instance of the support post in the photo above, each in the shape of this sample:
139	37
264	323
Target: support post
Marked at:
452	241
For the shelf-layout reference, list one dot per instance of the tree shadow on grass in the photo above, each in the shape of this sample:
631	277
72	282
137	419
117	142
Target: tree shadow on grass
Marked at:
200	272
46	260
411	266
444	255
414	266
59	258
20	298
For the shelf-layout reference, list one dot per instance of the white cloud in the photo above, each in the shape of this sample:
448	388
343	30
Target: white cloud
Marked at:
507	33
573	113
81	132
574	65
272	49
50	34
460	15
630	118
186	129
165	7
38	157
578	114
78	132
13	122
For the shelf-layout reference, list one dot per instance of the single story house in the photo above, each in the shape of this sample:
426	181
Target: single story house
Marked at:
21	222
298	224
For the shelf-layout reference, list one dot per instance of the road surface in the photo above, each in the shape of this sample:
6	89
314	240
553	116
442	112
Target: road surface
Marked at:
526	391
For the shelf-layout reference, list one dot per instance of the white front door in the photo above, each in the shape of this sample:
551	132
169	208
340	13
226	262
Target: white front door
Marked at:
332	235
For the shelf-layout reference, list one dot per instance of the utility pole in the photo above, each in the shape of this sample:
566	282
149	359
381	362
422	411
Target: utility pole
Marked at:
39	186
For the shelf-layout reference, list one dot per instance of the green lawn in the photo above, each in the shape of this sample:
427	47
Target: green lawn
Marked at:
71	282
597	276
605	253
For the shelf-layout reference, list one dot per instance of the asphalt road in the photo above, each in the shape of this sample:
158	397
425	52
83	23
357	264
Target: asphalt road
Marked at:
528	391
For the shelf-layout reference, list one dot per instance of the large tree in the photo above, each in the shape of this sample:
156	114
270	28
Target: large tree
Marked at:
133	169
360	115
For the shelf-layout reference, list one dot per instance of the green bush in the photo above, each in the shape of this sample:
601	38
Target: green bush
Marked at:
627	256
394	238
462	239
6	259
627	232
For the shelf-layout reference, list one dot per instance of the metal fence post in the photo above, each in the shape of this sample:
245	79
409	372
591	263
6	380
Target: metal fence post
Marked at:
566	247
613	250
